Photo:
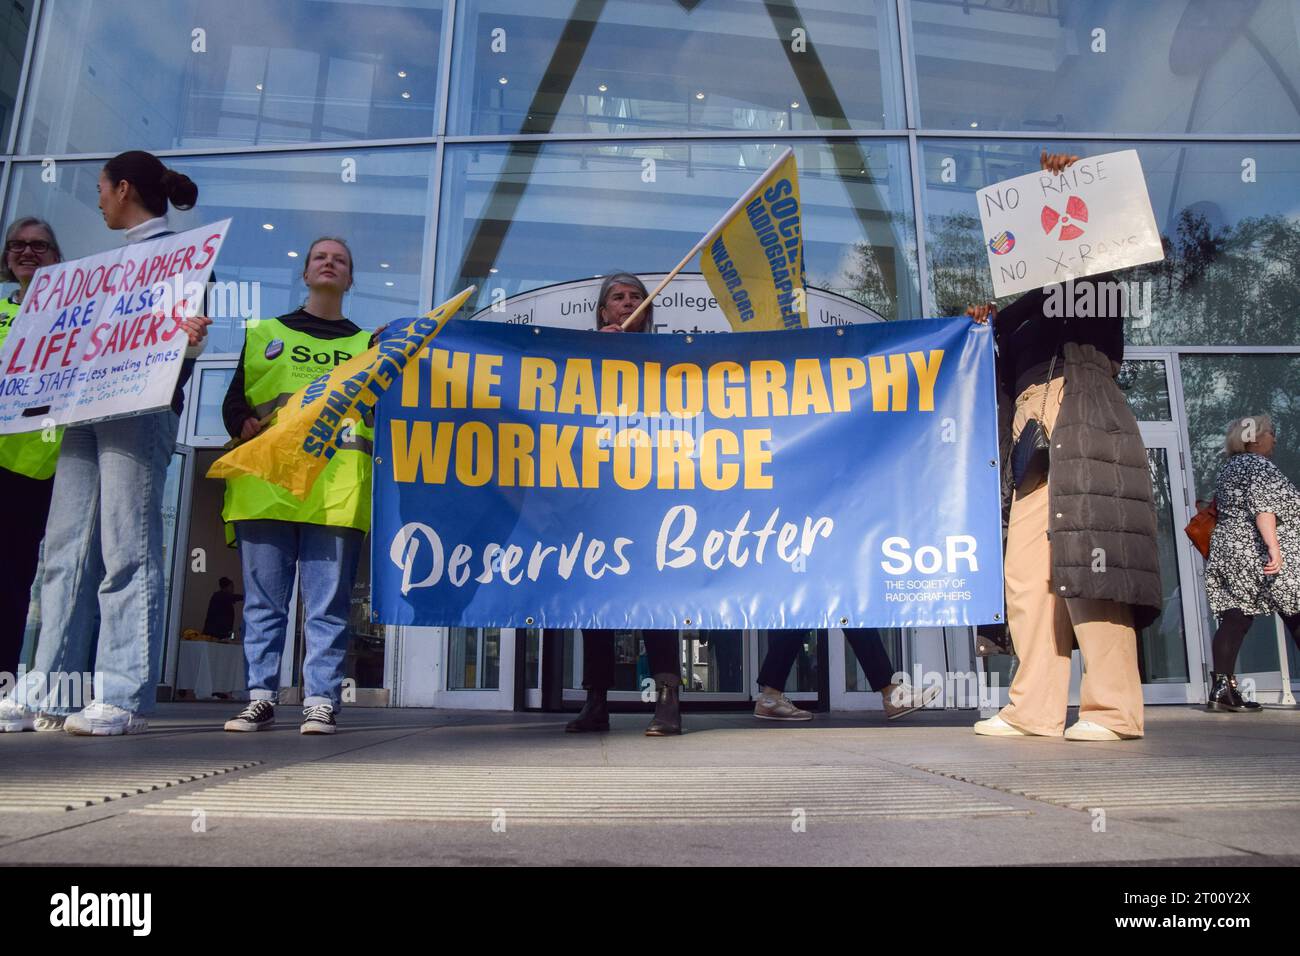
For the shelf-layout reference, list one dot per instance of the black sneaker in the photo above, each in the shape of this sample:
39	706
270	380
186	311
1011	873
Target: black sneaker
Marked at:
318	720
258	715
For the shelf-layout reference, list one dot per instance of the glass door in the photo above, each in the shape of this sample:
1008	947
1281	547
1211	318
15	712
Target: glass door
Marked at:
1169	649
1216	388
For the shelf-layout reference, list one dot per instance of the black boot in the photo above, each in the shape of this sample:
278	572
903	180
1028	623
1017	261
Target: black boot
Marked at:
1249	706
1224	696
594	715
667	721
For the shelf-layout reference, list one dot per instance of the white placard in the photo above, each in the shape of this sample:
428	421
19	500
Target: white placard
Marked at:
100	337
1042	228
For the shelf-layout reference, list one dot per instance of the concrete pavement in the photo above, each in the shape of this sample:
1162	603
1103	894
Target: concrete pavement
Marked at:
399	786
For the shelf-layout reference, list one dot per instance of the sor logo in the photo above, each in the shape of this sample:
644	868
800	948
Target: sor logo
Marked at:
1076	210
1002	243
958	548
274	348
301	353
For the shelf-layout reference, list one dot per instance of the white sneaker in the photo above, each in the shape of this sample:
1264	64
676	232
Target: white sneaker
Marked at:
905	699
14	717
997	727
1090	730
105	720
778	707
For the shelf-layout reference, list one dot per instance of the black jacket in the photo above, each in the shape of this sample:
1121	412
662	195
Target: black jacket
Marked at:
1101	510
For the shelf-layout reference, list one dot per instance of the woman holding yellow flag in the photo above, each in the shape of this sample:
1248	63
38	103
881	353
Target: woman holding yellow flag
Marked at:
620	296
319	536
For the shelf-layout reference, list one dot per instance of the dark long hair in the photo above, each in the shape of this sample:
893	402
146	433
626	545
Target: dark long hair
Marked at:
156	184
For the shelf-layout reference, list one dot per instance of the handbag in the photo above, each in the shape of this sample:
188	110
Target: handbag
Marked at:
1201	527
1030	456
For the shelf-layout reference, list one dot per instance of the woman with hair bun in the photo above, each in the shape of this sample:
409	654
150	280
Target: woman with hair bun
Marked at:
104	538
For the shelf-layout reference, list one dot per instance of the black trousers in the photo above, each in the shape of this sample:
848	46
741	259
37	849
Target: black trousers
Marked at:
27	505
783	649
661	647
1233	625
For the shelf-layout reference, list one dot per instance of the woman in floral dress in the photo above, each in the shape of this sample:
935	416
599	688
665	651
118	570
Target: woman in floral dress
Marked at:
1254	565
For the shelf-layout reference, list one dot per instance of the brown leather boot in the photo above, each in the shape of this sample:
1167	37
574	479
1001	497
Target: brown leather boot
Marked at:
667	721
594	715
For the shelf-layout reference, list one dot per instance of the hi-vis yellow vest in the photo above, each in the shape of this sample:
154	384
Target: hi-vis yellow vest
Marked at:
27	453
277	362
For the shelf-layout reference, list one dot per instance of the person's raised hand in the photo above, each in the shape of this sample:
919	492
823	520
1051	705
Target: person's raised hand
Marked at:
1055	163
250	428
982	314
615	327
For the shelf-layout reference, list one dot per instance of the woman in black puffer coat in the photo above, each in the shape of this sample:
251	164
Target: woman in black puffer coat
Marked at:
1082	562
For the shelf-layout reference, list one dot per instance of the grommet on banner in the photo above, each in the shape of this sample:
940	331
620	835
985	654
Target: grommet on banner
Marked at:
997	617
536	330
993	463
687	622
528	621
839	331
690	339
843	621
379	461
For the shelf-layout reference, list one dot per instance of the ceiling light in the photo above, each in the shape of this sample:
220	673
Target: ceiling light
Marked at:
494	270
259	87
292	254
402	74
267	226
699	95
602	87
383	265
406	94
502	80
388	283
794	105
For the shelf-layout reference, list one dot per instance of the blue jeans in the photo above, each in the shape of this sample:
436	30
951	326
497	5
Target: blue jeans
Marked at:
104	542
326	559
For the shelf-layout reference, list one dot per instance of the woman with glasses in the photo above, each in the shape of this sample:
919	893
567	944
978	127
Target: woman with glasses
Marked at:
26	460
1254	564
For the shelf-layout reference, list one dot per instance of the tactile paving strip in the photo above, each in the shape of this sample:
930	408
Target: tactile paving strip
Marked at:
333	790
1140	782
61	787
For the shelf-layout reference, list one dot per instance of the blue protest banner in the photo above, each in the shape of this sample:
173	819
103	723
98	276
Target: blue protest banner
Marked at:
536	477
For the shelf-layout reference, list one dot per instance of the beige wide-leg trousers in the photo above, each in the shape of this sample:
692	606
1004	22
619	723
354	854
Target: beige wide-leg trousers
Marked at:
1043	626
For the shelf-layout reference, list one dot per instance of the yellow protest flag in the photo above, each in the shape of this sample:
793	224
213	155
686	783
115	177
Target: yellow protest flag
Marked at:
752	258
295	448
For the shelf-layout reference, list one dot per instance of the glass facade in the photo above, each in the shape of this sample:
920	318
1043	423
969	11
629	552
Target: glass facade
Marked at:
519	144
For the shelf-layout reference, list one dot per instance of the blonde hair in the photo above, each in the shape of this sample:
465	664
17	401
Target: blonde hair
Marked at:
1246	431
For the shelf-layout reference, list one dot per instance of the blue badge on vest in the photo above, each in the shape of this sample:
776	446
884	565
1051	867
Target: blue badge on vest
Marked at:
274	348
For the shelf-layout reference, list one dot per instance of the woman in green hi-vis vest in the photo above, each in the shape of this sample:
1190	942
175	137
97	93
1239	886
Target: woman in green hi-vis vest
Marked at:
26	460
320	537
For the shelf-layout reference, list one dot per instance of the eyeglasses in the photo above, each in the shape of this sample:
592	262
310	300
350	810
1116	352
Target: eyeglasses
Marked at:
38	246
